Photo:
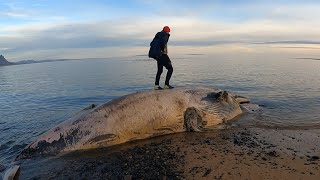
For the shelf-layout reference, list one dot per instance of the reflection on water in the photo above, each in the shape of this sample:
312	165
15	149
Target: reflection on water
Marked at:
35	97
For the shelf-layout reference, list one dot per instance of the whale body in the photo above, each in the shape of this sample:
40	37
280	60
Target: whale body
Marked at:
138	116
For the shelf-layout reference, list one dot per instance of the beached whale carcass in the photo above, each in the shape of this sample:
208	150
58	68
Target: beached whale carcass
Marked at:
138	116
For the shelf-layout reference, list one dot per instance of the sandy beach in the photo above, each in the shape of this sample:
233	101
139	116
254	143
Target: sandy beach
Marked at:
234	153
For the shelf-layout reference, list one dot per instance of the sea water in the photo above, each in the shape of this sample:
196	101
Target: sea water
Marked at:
36	97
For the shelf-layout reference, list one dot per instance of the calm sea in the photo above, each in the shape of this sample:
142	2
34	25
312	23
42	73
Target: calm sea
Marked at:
36	97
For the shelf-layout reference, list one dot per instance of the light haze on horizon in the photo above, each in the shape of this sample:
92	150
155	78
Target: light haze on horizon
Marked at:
43	29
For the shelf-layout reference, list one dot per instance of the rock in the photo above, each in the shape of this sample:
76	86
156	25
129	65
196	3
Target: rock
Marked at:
12	173
272	153
127	177
314	158
208	171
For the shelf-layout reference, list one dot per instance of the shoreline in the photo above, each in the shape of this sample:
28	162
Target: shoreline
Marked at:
235	153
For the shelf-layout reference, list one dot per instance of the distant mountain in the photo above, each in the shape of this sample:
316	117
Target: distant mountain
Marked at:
4	62
42	61
27	62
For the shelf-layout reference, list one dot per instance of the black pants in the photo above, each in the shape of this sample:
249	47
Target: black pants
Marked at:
164	60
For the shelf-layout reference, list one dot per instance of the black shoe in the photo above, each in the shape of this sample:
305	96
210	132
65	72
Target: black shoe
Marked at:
168	87
157	87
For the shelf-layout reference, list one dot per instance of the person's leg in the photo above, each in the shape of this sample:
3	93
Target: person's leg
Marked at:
168	65
169	74
159	72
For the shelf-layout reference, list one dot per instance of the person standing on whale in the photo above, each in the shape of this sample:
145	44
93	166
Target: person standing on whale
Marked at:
159	51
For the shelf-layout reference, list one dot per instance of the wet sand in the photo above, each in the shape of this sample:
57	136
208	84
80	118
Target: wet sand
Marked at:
235	153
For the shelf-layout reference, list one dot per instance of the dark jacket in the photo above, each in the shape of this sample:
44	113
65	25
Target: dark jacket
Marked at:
158	46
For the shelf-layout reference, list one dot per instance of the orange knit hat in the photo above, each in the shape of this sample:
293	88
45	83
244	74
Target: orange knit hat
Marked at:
166	29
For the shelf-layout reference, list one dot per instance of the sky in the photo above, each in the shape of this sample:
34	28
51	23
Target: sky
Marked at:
47	29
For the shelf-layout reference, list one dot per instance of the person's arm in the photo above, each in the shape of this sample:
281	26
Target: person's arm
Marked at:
163	41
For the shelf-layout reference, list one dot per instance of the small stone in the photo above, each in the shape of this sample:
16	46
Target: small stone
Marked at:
314	158
272	153
127	177
208	171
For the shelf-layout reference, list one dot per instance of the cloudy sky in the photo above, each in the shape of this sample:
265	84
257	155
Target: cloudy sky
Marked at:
45	29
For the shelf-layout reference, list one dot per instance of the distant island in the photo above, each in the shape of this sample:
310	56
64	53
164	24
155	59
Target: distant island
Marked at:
317	59
4	62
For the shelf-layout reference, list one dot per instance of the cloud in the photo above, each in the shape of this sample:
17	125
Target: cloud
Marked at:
140	31
241	24
13	10
4	49
15	14
290	42
298	47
